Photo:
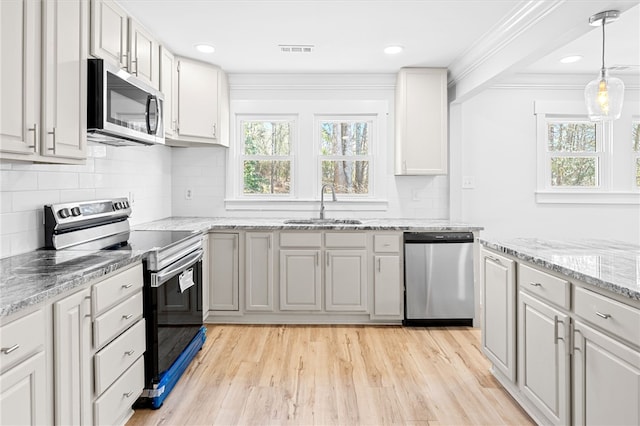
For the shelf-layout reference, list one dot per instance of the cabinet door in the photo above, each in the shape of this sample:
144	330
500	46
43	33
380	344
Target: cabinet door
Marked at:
197	101
23	393
421	121
606	378
20	76
543	358
387	287
109	23
300	288
169	87
258	271
64	78
346	280
72	356
498	312
145	61
223	255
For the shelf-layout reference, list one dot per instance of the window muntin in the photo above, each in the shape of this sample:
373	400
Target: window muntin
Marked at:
344	155
635	146
573	154
266	156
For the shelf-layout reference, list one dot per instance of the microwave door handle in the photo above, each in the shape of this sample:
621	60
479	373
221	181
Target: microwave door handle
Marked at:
153	99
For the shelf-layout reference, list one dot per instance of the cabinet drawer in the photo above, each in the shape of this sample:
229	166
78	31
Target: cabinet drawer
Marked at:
301	239
116	357
346	239
547	286
21	337
116	288
386	243
112	407
615	317
116	320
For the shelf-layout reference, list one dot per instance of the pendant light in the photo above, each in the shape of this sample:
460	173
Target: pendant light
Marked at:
605	94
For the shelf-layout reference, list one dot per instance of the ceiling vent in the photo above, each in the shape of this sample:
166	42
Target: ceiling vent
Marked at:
296	48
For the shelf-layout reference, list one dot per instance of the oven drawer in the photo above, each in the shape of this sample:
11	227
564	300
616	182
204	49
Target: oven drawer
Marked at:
114	406
116	288
116	320
21	338
116	357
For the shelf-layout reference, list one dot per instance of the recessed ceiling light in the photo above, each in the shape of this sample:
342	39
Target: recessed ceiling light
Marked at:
571	59
392	50
205	48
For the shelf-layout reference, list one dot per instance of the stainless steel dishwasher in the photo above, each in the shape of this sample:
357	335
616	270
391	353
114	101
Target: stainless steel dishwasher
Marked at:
438	274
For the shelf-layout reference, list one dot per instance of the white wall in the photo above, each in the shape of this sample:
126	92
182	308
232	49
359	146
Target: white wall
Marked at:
144	172
498	149
203	171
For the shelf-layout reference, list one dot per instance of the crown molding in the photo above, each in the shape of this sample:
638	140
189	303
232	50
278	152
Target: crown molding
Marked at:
560	81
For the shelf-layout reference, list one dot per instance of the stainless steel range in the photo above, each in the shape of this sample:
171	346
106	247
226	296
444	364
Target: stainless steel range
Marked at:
172	282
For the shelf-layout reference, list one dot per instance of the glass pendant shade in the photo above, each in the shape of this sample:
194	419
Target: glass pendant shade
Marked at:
603	97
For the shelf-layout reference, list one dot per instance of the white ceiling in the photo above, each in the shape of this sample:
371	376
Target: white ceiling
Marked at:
349	35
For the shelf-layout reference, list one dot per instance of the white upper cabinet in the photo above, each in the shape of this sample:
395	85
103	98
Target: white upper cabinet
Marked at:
122	41
19	82
43	81
203	105
421	122
64	129
169	88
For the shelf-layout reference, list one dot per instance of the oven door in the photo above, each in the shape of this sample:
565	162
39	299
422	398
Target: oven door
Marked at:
173	310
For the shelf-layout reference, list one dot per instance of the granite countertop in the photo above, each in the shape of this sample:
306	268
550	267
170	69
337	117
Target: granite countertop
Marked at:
205	224
609	265
32	278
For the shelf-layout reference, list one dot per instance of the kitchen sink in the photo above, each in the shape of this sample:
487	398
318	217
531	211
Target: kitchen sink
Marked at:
318	221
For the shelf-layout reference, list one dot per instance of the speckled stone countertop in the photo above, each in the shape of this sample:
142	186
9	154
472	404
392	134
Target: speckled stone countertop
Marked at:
35	277
610	265
205	224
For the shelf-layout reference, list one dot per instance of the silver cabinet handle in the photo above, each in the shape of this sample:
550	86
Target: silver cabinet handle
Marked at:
214	130
379	264
34	129
601	315
328	257
535	284
125	286
129	353
126	317
123	61
127	394
54	140
316	256
134	62
7	351
494	259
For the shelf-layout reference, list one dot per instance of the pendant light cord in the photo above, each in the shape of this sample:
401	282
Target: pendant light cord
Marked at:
604	22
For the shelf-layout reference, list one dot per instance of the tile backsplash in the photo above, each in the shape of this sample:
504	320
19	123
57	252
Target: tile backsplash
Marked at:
141	173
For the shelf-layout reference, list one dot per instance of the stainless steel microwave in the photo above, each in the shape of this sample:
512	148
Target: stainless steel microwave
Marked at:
122	110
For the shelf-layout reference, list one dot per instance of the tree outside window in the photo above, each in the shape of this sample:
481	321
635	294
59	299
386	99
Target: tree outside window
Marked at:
572	151
344	155
266	157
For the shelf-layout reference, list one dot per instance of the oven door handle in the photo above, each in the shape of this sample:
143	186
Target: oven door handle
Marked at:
159	278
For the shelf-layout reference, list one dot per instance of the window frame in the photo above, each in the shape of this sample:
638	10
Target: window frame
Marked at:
370	119
242	157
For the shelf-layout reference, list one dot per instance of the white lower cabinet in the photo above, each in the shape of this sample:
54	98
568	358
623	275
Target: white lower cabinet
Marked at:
72	358
300	285
387	287
259	271
23	372
543	357
499	312
606	377
346	280
224	280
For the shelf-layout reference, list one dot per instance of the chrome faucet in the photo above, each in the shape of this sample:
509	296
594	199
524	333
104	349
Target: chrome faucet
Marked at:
333	194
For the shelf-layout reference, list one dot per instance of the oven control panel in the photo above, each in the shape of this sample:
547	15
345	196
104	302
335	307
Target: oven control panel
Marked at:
70	212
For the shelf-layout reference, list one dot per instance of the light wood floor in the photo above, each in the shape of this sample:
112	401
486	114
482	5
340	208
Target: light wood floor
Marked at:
337	375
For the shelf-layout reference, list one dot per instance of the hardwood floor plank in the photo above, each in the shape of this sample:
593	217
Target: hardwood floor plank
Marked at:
337	375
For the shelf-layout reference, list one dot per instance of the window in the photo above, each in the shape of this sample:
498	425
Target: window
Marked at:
266	156
344	155
573	154
635	143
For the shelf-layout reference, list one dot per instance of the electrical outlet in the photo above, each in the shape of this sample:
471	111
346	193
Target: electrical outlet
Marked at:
468	182
188	194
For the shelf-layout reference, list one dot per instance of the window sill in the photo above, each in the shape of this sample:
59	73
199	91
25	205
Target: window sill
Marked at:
547	197
288	205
